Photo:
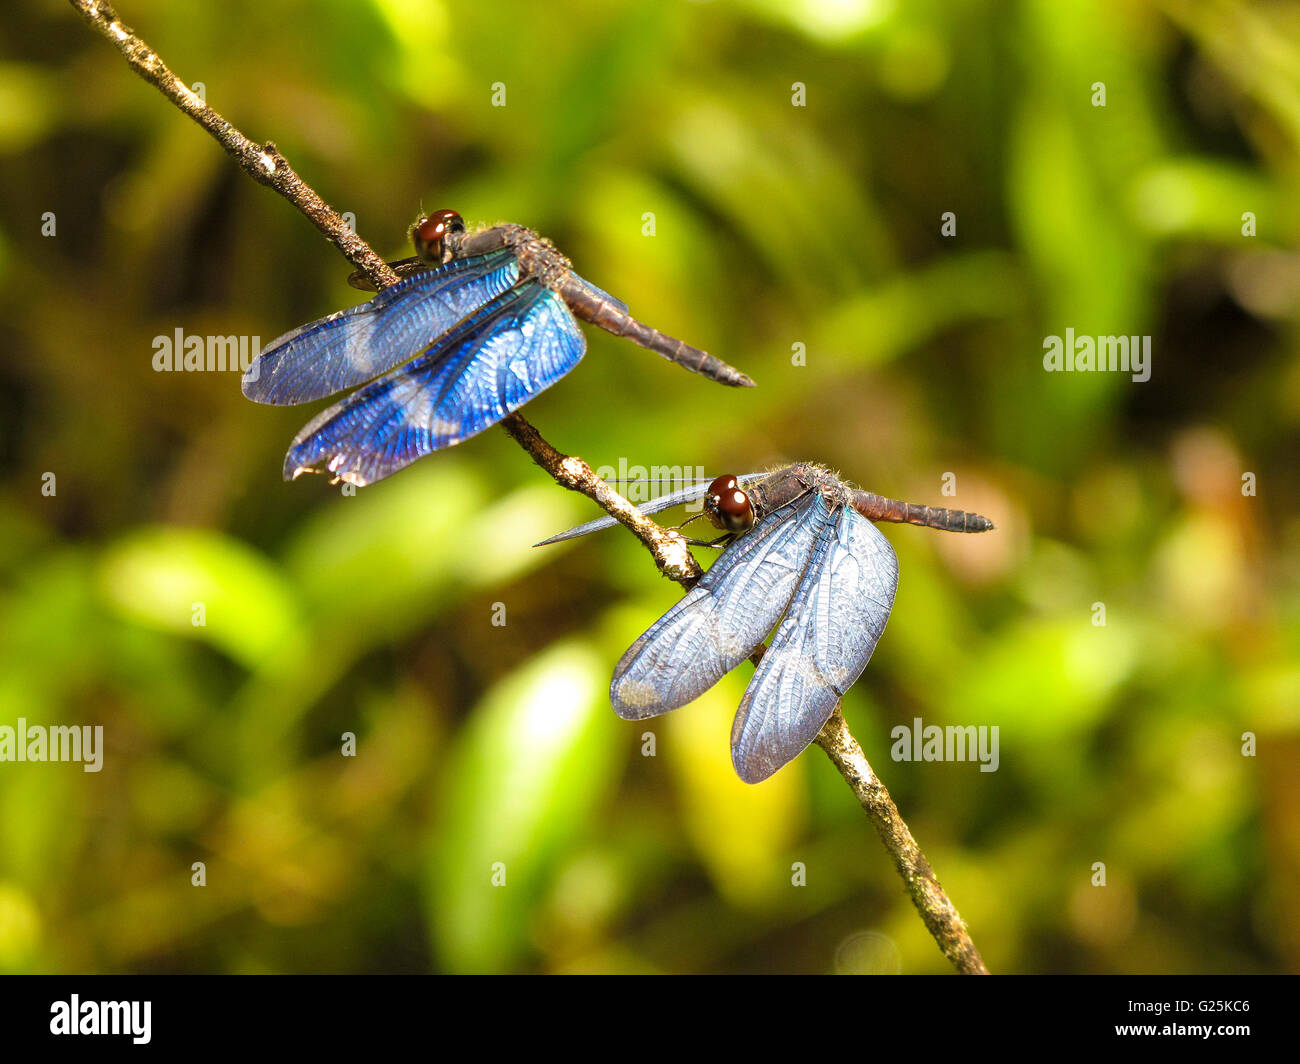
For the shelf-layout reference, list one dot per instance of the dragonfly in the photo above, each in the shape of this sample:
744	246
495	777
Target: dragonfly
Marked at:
480	322
801	556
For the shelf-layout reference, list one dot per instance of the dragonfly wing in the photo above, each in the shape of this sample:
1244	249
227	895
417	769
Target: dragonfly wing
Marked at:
720	621
823	644
598	292
493	362
354	345
691	493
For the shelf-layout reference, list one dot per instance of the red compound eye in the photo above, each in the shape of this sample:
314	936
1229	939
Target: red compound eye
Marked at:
431	236
728	506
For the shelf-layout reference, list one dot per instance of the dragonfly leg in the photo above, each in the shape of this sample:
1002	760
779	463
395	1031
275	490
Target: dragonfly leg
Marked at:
404	268
719	543
693	517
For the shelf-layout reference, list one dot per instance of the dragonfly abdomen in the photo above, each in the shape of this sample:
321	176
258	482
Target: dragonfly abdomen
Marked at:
615	319
878	508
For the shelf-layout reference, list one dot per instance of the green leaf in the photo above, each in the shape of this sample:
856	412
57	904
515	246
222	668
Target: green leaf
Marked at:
205	586
533	764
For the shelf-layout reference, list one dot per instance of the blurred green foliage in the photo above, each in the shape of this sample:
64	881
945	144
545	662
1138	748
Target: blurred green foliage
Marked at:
489	752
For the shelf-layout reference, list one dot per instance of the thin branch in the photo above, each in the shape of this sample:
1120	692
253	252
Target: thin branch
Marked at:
667	546
265	164
940	915
262	162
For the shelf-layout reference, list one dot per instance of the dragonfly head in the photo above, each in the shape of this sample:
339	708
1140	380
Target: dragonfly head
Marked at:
728	506
437	237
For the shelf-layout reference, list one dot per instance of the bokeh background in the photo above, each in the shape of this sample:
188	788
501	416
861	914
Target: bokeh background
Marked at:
775	225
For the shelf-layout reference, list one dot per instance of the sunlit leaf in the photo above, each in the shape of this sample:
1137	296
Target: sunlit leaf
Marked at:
528	773
202	585
742	832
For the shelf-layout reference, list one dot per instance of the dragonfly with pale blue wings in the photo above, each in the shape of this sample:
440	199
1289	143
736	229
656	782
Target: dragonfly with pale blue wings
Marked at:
801	550
480	323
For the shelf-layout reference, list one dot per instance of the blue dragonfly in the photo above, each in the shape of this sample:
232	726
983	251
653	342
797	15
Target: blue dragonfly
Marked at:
801	550
480	323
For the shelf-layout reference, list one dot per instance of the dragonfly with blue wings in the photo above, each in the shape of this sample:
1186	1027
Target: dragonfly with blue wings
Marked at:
480	323
801	556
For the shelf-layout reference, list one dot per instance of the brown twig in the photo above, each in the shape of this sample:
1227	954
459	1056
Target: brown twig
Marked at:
267	166
940	915
262	162
667	546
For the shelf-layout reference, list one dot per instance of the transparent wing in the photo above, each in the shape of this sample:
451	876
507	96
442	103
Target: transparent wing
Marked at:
493	362
690	493
599	292
354	345
720	621
823	644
